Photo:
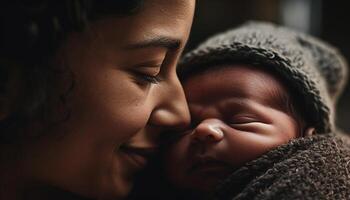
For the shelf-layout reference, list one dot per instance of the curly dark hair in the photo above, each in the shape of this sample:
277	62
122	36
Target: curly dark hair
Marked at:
31	32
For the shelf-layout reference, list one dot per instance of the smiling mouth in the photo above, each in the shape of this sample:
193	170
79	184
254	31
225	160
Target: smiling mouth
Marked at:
138	156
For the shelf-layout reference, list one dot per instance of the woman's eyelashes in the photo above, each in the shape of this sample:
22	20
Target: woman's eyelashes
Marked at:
148	72
144	78
146	75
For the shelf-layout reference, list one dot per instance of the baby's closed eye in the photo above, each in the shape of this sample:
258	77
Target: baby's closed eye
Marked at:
248	123
243	119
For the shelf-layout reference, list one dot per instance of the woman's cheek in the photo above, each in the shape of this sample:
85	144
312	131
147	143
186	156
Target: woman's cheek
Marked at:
132	121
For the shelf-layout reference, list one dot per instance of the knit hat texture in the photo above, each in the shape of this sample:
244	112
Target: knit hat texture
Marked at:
313	68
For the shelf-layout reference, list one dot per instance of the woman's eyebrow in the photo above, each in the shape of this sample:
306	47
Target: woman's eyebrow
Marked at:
159	41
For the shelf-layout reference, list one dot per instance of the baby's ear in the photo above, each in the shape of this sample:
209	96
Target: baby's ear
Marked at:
309	131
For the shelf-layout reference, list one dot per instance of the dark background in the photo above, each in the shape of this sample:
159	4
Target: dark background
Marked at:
326	19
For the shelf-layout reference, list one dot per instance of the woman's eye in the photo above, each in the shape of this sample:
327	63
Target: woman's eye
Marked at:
144	78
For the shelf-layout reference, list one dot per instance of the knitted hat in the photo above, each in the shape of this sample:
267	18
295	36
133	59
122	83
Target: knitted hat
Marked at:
315	70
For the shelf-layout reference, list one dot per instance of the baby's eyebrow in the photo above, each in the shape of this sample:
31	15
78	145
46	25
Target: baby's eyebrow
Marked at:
219	110
236	104
245	106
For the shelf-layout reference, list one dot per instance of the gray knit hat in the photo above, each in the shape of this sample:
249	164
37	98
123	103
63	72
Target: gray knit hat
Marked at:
313	69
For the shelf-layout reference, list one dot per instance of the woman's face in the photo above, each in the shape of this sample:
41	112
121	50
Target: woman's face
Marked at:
125	93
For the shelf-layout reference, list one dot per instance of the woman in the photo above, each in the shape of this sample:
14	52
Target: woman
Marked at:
86	89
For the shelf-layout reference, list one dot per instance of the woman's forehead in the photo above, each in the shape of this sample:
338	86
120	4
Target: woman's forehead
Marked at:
145	24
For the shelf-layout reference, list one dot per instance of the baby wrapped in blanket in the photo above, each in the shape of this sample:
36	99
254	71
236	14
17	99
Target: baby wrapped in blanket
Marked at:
262	101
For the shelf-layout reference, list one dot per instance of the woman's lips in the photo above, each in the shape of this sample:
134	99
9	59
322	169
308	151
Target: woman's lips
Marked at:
138	156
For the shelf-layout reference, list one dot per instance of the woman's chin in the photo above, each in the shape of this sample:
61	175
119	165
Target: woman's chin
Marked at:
115	191
114	182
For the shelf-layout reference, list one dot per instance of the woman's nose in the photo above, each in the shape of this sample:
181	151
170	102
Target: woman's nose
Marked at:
172	111
208	131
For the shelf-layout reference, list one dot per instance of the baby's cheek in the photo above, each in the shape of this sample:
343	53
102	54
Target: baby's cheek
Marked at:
241	146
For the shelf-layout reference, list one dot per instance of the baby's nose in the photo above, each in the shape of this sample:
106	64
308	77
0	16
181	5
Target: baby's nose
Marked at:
209	130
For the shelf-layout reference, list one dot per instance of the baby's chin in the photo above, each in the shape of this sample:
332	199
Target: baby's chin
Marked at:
202	183
206	186
197	190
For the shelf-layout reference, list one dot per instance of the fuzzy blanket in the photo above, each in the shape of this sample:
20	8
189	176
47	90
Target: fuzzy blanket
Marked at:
316	167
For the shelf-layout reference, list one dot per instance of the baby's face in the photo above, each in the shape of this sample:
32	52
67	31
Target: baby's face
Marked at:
237	115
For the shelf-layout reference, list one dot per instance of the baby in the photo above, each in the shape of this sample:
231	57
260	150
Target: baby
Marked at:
262	102
238	113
